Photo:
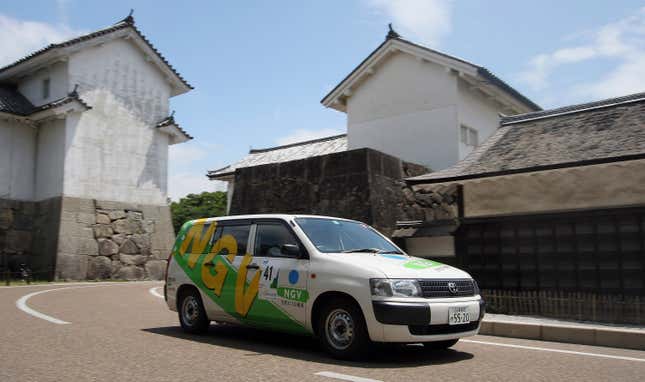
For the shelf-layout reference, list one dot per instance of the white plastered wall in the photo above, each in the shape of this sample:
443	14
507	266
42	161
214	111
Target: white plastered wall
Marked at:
32	86
478	112
408	109
50	157
16	160
113	151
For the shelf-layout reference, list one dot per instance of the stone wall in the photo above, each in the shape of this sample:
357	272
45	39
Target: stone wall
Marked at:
111	240
16	226
362	184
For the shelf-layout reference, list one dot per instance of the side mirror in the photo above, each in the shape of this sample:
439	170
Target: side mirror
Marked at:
290	250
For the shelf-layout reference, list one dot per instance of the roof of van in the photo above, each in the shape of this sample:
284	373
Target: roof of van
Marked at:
268	216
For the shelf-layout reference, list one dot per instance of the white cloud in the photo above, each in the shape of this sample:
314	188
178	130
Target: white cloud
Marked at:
186	153
20	37
300	135
188	164
622	42
426	21
182	184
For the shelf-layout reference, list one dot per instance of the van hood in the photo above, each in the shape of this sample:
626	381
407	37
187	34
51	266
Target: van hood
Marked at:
402	266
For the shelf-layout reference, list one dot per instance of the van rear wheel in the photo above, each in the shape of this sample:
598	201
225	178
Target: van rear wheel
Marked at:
192	315
342	331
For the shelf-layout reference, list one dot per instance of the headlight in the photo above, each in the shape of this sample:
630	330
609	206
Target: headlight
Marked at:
476	287
395	288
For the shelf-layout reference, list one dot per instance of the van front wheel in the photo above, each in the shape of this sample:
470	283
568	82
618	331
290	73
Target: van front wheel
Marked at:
342	331
192	315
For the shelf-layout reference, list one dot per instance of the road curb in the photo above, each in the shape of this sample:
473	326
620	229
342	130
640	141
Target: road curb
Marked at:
575	334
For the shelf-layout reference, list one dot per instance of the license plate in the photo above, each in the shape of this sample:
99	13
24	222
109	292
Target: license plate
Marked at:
458	315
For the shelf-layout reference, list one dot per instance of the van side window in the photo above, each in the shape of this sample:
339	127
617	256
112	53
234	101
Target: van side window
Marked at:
275	240
241	235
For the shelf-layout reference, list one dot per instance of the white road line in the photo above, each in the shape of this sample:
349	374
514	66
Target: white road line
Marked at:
153	291
345	377
93	283
556	350
21	303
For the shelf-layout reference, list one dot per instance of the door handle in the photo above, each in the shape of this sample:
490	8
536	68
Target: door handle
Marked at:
209	264
253	266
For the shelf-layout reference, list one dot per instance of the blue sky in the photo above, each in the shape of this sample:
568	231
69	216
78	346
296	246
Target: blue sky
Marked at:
260	68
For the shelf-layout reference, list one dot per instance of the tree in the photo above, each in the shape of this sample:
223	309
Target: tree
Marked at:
196	206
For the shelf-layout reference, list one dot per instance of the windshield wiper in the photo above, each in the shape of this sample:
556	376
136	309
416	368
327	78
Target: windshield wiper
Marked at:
371	250
368	250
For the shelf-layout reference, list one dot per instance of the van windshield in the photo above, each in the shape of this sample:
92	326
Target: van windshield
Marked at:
330	235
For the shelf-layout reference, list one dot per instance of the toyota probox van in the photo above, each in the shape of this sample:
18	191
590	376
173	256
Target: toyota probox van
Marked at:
337	279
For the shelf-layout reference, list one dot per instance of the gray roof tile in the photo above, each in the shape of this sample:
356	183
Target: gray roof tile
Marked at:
11	101
286	153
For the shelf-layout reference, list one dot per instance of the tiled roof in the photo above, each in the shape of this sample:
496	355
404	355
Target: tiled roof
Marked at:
11	101
295	151
170	120
128	22
595	132
482	71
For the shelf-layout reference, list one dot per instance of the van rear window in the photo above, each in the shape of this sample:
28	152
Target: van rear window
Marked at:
241	235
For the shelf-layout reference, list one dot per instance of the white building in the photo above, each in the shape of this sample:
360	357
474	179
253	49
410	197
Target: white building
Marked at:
85	130
411	102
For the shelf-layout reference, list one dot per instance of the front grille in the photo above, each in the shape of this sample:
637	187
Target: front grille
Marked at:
433	288
427	330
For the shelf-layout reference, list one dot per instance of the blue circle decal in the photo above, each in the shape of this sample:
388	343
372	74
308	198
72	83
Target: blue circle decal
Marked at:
293	276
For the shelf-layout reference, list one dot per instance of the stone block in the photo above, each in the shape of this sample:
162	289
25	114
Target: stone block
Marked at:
128	247
134	215
88	247
132	259
117	214
71	267
115	266
18	241
23	220
86	218
107	247
99	268
102	219
119	238
127	226
156	269
130	272
142	241
102	231
6	218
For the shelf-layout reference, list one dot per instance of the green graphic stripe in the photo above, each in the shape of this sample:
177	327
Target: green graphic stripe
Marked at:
268	316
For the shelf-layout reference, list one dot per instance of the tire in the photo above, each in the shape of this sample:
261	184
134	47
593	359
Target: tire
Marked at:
440	345
192	315
342	331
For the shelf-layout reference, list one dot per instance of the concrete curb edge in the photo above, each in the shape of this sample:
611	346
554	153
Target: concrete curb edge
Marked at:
619	338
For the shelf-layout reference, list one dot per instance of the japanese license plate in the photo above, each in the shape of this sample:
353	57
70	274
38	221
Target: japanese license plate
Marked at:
458	315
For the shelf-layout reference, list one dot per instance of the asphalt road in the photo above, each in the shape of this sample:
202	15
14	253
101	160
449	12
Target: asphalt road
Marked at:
122	332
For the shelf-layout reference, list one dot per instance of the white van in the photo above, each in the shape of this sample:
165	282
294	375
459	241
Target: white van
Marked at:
337	279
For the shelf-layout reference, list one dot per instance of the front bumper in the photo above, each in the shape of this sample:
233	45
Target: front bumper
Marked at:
419	321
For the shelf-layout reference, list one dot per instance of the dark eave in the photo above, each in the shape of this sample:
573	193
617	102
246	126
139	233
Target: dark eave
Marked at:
170	121
555	166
